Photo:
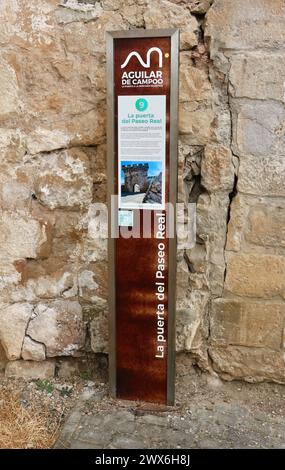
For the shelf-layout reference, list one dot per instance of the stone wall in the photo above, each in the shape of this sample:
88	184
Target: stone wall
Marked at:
230	285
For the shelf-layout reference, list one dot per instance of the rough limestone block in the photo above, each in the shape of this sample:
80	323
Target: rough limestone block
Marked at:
92	284
196	121
30	23
95	246
59	326
259	223
198	6
246	25
21	236
194	84
99	332
212	217
257	76
258	128
14	194
267	224
190	322
217	169
63	179
33	351
255	275
251	364
90	37
164	14
247	323
182	282
46	140
68	368
81	11
262	176
237	225
30	369
9	100
3	358
13	323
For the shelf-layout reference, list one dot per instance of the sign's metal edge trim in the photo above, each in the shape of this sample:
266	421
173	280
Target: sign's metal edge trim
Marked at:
137	33
110	190
173	167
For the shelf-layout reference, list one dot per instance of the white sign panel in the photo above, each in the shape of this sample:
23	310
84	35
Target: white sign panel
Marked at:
141	151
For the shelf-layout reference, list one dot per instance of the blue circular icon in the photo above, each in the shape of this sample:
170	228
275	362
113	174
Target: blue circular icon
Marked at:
141	104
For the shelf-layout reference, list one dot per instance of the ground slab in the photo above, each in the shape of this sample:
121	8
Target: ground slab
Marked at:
209	413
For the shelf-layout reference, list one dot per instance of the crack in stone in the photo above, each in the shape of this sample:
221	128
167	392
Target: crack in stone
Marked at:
26	335
37	342
27	326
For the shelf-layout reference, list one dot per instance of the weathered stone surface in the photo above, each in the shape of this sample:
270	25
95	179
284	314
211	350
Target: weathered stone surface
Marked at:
33	351
199	6
59	326
182	282
251	364
197	257
247	323
194	84
31	283
92	284
162	14
15	192
89	38
98	161
258	223
133	12
21	236
13	324
267	224
229	27
238	222
71	11
217	170
208	223
262	176
95	246
99	332
46	140
67	368
259	128
212	211
29	22
63	179
196	121
30	369
255	275
12	144
9	100
191	323
257	76
3	358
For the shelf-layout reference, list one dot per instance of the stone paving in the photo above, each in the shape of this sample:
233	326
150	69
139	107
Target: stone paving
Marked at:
99	422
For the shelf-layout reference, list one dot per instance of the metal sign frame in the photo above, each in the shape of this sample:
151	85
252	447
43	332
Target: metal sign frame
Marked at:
111	36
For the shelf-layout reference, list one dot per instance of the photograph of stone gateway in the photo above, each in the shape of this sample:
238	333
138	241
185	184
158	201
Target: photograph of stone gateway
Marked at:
141	183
